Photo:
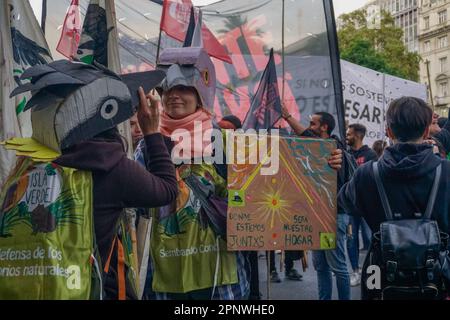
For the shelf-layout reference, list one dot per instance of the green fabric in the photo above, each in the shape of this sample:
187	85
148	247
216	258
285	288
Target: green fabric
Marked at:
184	252
46	233
127	235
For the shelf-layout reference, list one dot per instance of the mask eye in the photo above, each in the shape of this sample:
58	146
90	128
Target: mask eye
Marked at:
205	75
109	109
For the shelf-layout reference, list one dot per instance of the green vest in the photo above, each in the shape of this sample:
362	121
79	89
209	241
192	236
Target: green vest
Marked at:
46	233
186	253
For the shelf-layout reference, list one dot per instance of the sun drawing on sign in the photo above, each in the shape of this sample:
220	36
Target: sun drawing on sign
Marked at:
272	207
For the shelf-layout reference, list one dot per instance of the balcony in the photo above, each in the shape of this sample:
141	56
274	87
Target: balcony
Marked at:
441	101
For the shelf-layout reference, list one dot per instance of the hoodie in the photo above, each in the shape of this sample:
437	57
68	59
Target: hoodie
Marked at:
120	183
407	172
363	154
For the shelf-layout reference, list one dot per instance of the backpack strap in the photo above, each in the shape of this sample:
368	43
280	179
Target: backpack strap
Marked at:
382	192
433	194
108	260
384	199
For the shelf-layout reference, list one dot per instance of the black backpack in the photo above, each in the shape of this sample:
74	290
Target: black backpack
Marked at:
411	254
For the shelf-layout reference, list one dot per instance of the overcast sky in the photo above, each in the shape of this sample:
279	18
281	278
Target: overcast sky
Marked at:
340	6
345	6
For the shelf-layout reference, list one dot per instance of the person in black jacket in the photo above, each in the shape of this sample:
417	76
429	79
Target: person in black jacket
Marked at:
407	171
441	136
354	138
362	154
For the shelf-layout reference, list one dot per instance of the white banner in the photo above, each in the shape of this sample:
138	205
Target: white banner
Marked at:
22	45
367	94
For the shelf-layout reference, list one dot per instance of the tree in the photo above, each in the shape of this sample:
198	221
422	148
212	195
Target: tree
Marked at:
381	49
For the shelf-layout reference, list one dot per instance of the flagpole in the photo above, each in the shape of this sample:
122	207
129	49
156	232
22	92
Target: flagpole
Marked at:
159	45
282	51
44	15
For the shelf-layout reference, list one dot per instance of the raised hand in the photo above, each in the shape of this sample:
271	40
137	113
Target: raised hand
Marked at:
148	113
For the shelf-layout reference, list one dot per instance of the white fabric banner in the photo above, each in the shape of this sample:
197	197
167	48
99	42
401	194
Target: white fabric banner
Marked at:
367	94
22	44
114	64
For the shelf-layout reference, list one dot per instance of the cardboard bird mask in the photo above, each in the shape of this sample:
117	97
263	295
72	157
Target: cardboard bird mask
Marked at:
191	67
73	101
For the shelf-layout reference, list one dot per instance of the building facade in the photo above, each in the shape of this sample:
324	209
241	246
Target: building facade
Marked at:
405	14
434	34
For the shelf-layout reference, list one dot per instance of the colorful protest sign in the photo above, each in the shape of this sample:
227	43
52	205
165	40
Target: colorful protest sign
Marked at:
293	209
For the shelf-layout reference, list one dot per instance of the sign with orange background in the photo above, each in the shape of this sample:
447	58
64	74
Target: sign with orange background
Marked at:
294	209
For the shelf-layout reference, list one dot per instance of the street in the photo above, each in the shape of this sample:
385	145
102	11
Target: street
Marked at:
306	289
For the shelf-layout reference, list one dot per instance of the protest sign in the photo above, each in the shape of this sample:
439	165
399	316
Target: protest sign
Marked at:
292	209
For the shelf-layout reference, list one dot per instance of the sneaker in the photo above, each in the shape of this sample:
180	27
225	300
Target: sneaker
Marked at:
355	279
293	275
274	277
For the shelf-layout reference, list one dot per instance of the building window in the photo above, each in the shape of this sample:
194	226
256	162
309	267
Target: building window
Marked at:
443	64
427	46
442	42
443	87
442	16
426	23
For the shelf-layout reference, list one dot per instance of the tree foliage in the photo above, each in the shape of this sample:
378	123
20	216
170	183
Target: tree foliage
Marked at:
380	49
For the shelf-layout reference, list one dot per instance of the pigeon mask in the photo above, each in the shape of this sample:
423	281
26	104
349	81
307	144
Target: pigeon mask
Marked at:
73	101
191	67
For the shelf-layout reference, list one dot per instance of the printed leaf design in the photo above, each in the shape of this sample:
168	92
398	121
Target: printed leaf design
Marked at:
50	170
17	215
63	210
175	223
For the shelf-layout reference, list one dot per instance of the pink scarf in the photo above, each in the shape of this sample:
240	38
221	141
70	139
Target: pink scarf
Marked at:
191	124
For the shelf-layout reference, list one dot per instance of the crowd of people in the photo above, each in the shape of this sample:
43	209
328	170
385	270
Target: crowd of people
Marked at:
186	218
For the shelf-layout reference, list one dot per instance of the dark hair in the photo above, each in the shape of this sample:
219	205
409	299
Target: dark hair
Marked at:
378	147
442	121
408	118
234	120
112	135
328	119
359	129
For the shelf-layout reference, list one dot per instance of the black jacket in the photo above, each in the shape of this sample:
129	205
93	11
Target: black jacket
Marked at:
363	155
407	172
443	138
119	182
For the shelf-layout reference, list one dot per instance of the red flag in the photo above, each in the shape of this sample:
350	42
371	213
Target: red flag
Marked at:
175	22
71	32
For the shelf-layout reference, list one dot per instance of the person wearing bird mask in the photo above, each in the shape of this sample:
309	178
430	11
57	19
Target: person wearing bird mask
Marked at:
189	259
61	208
